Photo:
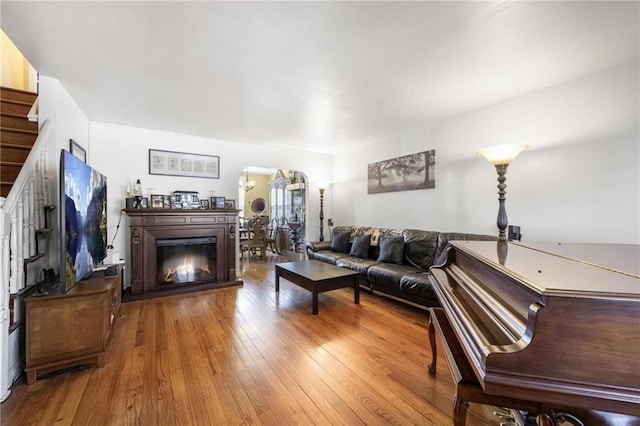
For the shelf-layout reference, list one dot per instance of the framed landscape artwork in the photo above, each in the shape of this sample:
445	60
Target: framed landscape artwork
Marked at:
414	171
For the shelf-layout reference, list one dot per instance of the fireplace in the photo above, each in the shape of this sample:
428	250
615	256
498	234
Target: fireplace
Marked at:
186	261
175	251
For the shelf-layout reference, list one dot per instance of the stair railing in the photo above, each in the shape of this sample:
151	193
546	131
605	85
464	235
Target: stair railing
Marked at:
21	213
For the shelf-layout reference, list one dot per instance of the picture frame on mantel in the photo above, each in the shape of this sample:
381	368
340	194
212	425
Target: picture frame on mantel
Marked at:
77	151
173	163
217	202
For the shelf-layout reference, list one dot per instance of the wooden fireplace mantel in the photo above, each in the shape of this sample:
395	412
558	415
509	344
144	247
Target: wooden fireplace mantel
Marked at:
148	225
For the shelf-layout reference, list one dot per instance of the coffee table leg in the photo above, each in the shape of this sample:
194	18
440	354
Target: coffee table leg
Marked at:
277	279
314	309
356	290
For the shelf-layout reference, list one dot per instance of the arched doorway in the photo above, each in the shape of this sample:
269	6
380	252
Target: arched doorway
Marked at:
279	197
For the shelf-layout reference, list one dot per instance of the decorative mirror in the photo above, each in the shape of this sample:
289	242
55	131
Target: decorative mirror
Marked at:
258	205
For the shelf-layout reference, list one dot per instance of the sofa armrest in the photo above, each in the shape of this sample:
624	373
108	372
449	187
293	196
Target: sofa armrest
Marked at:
318	245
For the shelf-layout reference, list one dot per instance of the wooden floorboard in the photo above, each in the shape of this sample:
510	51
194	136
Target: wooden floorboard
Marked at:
249	355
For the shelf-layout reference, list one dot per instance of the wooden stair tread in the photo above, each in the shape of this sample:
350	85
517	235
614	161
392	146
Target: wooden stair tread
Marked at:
22	91
17	94
10	106
16	146
11	129
15	101
13	115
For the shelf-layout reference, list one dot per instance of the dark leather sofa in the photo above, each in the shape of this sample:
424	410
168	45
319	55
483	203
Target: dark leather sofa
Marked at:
395	262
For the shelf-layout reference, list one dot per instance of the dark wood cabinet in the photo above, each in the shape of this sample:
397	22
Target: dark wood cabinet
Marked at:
64	330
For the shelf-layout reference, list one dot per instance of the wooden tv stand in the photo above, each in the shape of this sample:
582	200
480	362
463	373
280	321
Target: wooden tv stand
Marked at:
65	330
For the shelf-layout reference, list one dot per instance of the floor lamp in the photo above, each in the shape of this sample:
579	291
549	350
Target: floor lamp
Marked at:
322	187
501	156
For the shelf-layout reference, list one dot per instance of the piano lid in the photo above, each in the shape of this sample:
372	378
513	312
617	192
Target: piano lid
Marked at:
623	258
544	268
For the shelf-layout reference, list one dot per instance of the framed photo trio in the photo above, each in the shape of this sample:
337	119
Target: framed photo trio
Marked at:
172	163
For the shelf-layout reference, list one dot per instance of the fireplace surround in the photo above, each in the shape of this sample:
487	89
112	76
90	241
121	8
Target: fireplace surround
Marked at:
177	251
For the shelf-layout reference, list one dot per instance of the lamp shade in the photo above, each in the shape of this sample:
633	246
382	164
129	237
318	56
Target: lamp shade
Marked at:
502	154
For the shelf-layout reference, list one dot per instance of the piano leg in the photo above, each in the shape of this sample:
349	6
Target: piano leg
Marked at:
465	393
460	408
434	351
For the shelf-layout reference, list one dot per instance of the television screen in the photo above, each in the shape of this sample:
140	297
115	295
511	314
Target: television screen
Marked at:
83	222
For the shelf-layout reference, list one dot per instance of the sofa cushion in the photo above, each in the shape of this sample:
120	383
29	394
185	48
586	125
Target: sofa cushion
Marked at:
360	247
391	249
389	274
420	286
340	241
327	256
318	245
356	264
373	233
420	247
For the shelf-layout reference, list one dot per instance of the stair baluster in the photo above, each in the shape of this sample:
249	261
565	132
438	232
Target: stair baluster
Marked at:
21	213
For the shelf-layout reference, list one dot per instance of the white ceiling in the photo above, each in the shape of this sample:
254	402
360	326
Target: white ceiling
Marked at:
317	76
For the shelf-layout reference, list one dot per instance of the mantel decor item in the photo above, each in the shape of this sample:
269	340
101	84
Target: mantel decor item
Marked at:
501	156
217	202
173	163
77	151
157	201
187	199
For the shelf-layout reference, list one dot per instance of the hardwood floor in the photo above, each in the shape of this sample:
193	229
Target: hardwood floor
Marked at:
246	355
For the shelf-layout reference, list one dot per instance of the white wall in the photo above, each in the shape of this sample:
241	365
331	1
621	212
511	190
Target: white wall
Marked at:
122	154
579	181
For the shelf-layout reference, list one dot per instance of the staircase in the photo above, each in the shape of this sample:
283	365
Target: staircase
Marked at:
17	134
26	218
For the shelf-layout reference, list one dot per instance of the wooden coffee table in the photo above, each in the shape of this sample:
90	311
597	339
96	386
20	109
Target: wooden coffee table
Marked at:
318	277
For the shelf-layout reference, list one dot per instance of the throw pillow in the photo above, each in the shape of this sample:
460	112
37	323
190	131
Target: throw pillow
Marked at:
391	249
340	241
360	247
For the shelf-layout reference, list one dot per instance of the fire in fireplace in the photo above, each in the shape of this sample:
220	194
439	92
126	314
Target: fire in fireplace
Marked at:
186	260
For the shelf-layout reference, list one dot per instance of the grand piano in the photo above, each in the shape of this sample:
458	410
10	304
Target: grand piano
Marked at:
553	329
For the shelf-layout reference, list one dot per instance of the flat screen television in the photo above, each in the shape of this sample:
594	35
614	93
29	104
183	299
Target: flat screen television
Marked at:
83	221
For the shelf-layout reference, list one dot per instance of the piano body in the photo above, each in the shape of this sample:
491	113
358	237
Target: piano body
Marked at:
541	326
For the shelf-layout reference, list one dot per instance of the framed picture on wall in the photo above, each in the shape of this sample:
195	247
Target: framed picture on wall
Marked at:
77	151
172	163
